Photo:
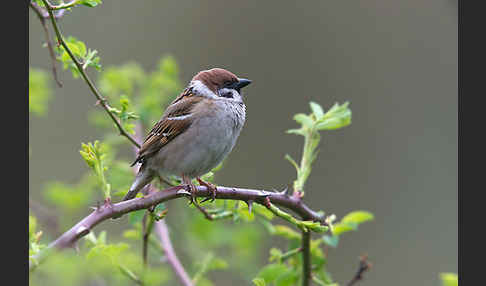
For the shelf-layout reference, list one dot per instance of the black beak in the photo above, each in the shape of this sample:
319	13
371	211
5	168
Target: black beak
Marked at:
242	82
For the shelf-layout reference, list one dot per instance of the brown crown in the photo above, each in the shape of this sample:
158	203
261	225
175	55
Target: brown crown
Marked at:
215	78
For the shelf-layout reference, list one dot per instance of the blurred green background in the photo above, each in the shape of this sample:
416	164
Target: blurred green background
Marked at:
395	61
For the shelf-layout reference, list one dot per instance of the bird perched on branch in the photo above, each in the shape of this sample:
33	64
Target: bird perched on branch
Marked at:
195	133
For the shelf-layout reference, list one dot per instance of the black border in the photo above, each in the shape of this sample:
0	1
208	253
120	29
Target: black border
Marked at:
471	142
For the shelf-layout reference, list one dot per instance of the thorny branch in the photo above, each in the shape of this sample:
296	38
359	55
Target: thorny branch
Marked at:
102	101
104	212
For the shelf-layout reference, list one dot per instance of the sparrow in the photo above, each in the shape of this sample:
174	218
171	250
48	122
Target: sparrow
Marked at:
195	133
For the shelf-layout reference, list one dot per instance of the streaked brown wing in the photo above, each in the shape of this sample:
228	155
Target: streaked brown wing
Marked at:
175	120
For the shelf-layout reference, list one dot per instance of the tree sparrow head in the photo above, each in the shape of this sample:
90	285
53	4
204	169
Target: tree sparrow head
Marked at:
218	83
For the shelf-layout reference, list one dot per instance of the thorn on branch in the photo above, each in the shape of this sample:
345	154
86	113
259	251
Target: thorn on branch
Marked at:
250	205
285	191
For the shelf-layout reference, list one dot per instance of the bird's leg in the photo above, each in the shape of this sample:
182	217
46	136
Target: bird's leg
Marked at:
211	188
192	188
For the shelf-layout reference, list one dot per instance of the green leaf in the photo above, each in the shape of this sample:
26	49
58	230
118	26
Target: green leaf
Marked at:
292	161
331	240
259	282
357	217
288	278
317	110
86	57
351	221
39	91
271	271
89	3
337	117
343	227
296	131
304	119
275	254
449	279
96	157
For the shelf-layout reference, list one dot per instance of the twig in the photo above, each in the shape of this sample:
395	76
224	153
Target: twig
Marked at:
306	260
38	10
163	233
102	101
147	229
364	266
130	275
303	225
289	254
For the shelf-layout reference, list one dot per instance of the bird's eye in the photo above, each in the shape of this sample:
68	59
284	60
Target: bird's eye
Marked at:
227	94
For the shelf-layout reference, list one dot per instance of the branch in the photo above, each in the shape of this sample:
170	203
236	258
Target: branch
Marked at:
147	229
104	212
306	258
163	233
41	13
102	101
364	266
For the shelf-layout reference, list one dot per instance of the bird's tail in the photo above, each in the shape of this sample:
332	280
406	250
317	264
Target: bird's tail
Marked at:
141	180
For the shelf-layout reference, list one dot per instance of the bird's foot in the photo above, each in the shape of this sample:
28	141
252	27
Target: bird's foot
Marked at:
211	188
193	190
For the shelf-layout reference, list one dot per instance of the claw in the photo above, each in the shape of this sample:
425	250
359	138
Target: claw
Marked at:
211	187
205	200
192	189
